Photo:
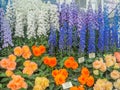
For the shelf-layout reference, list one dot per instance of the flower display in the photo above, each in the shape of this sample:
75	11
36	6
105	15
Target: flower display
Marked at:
42	46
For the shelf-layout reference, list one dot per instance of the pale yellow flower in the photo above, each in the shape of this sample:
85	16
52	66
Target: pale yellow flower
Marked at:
108	86
116	66
96	72
117	84
109	63
108	57
42	81
103	84
115	74
37	87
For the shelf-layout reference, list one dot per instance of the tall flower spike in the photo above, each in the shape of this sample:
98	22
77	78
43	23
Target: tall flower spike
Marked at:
7	34
101	29
115	28
10	14
106	29
90	18
31	22
52	40
82	32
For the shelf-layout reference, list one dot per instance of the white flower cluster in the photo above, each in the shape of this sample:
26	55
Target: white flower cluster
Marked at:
33	17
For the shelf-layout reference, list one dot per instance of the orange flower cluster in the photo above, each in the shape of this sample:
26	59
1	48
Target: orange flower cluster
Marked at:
24	51
85	77
71	63
117	55
50	61
8	64
30	67
60	76
38	51
77	88
17	83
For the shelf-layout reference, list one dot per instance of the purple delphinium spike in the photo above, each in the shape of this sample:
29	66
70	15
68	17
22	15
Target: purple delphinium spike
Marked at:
61	38
106	29
115	29
7	34
82	32
101	29
91	29
52	41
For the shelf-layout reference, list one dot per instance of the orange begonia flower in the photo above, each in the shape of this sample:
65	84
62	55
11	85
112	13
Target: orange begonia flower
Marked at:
42	49
18	51
82	79
63	72
9	73
74	88
90	81
12	57
85	72
46	60
53	62
59	79
81	87
55	73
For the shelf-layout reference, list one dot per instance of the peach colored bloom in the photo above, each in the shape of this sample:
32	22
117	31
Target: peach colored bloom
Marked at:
17	83
116	66
25	48
103	67
109	63
12	57
26	63
11	65
26	55
97	64
115	74
9	73
4	63
28	70
18	51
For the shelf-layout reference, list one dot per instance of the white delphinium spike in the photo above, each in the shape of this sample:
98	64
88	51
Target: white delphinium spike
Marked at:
54	17
10	14
31	22
41	23
19	27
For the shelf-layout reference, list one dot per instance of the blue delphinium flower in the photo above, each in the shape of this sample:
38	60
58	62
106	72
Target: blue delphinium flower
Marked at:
61	38
82	39
52	41
115	28
91	29
101	30
106	29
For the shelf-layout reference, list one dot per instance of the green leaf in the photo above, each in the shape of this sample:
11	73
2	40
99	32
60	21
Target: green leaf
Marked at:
5	80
